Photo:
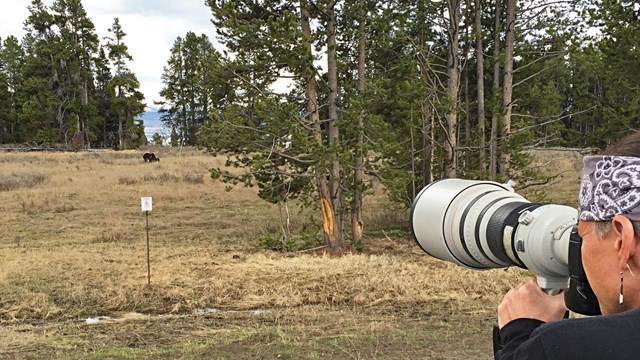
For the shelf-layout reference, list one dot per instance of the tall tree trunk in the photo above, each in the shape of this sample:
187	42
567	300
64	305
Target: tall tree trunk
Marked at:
314	120
480	85
357	225
452	87
467	124
426	130
120	126
60	121
120	133
493	151
507	85
467	166
84	117
104	133
428	144
337	196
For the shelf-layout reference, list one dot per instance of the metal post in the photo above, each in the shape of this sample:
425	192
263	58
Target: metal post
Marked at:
148	261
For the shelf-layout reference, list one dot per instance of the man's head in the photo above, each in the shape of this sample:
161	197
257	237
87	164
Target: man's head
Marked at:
605	257
609	213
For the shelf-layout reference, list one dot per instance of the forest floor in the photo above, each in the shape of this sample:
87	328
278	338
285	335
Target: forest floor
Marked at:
74	276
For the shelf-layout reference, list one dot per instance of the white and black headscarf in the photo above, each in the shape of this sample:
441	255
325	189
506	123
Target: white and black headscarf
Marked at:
610	186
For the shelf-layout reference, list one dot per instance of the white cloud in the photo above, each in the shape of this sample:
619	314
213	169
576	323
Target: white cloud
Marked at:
151	27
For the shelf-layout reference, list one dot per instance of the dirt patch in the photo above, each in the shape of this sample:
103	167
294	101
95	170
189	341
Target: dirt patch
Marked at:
406	331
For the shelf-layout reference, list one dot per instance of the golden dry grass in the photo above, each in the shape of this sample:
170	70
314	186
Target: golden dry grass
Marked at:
73	246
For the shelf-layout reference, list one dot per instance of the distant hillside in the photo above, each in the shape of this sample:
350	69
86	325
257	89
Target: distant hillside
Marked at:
152	123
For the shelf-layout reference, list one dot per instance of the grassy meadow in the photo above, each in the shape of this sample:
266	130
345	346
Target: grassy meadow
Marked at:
73	269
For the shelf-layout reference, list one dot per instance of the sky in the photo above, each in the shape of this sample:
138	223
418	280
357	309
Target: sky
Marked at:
151	26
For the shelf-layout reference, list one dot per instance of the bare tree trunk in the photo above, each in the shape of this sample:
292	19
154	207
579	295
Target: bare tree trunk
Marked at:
413	161
467	100
426	130
60	121
507	86
286	228
337	197
452	87
357	225
467	124
84	121
120	134
428	144
493	151
314	120
480	86
120	125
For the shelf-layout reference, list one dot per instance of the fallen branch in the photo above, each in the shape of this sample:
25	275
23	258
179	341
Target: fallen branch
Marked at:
541	181
388	238
315	248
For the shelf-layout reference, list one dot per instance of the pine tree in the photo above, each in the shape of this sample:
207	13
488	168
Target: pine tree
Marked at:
127	100
106	124
11	63
79	45
191	86
40	105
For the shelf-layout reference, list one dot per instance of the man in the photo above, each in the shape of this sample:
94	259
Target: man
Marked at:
530	321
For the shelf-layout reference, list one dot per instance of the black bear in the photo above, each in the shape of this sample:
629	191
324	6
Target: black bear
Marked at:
150	157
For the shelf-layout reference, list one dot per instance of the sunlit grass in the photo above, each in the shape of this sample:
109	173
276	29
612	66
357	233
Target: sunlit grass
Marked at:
73	245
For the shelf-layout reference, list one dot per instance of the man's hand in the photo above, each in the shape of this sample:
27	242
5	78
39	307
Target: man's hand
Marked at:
527	300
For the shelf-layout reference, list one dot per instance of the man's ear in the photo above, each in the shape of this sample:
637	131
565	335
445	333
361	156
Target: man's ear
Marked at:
626	240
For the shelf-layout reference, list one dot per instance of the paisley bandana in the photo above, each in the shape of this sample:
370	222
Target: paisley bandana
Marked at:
610	186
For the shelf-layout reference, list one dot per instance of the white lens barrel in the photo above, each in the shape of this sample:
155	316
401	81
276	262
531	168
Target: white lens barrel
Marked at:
437	215
484	224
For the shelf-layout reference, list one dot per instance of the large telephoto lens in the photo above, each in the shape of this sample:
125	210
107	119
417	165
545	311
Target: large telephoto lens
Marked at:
484	225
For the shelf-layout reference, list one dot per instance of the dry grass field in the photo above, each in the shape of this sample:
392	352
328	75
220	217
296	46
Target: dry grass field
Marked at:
73	270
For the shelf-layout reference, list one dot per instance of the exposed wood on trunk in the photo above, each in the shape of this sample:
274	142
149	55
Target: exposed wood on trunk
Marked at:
314	122
337	196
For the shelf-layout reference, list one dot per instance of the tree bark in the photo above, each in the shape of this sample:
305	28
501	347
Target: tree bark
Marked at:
84	117
322	181
357	225
467	124
337	196
493	151
507	86
428	144
452	87
426	112
480	85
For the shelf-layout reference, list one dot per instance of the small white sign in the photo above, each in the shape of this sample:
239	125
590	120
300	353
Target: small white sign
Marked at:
146	203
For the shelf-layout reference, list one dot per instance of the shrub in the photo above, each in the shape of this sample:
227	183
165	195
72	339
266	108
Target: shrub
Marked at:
274	241
192	178
166	177
126	180
14	181
111	237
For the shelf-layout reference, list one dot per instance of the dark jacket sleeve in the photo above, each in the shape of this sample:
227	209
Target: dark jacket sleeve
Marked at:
517	342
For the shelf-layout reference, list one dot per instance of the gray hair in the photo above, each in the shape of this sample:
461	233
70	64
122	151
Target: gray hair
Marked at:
602	228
